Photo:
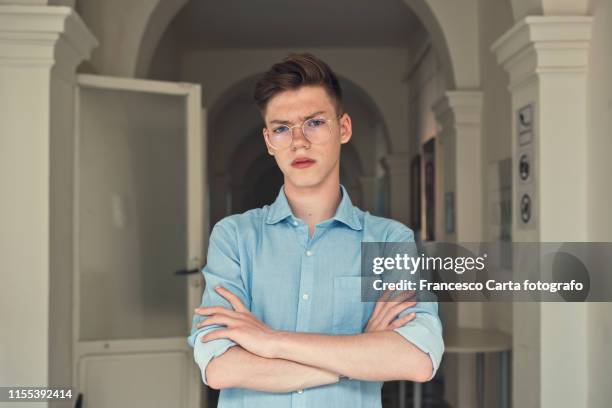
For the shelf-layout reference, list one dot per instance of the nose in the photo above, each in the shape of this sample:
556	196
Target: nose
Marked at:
299	141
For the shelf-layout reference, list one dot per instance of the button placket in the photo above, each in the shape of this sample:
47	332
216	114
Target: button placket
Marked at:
299	399
305	290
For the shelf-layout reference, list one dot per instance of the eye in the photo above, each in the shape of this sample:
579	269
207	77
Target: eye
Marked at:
280	129
315	122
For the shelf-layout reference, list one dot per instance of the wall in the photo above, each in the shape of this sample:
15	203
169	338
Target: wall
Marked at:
165	62
599	322
426	84
495	20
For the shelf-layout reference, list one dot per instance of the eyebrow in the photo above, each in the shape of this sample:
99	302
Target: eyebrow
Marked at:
287	122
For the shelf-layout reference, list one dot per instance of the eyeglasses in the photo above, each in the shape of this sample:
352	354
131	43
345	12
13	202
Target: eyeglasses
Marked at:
316	130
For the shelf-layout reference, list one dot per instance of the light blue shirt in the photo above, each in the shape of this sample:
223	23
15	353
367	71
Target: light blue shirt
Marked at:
294	282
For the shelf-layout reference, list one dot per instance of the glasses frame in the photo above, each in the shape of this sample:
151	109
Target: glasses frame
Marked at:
301	125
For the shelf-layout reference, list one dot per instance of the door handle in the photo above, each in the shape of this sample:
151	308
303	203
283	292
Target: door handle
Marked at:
188	271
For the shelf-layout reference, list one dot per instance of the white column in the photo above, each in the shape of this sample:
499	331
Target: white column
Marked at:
398	168
459	115
40	47
547	57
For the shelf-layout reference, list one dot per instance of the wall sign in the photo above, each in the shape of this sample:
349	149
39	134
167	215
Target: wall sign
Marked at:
525	167
525	124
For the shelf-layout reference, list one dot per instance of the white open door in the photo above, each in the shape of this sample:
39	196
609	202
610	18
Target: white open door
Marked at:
139	217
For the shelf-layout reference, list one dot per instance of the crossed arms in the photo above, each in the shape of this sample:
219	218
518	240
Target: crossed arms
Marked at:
280	361
235	349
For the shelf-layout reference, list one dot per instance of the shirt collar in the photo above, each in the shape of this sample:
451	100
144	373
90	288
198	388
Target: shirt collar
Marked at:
345	213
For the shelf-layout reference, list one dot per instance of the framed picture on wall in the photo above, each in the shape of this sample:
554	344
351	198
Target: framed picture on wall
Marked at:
415	193
449	212
429	157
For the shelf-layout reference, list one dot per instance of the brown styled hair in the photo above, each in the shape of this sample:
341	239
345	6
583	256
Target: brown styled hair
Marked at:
294	71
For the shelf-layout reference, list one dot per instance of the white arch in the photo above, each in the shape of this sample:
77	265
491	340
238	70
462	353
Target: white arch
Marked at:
140	25
163	13
453	27
128	32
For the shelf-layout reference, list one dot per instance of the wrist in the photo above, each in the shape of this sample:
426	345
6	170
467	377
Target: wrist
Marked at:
279	342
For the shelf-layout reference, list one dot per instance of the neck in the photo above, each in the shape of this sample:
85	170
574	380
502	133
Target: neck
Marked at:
314	204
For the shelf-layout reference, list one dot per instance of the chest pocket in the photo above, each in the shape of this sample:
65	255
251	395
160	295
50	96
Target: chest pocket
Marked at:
349	314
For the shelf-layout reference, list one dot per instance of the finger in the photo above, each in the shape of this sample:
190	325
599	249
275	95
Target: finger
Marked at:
394	311
212	310
385	295
217	319
233	299
373	326
402	320
403	295
217	334
381	301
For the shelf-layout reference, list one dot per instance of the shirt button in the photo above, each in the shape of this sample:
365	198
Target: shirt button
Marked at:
300	391
294	223
309	253
305	296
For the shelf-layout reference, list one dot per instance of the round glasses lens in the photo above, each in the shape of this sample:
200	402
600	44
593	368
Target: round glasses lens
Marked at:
316	130
280	137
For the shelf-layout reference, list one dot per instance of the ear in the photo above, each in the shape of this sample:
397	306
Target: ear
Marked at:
346	128
270	150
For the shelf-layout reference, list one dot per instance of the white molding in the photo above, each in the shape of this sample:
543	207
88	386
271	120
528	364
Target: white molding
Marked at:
40	36
544	44
137	84
458	109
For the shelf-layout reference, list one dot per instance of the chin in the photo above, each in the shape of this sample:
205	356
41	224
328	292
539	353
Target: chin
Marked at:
305	181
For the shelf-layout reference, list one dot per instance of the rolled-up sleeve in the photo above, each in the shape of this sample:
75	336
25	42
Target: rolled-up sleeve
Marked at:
425	330
222	269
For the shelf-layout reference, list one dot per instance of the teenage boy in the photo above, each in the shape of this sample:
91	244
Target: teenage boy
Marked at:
282	323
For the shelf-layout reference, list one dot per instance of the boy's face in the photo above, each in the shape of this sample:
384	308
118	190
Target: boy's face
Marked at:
293	107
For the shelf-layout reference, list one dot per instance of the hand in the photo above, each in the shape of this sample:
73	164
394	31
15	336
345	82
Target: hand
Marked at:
384	315
241	326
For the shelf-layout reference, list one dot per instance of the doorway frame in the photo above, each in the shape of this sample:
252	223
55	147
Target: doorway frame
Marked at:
197	214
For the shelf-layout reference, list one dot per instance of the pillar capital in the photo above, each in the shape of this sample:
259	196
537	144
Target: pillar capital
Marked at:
540	45
44	36
455	109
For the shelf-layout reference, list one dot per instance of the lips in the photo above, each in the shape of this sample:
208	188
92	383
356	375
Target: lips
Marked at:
302	162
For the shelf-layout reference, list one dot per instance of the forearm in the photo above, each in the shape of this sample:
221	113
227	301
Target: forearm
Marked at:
240	368
376	356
